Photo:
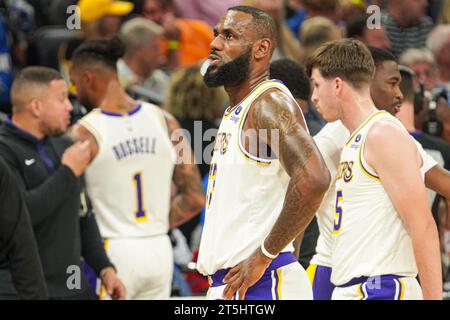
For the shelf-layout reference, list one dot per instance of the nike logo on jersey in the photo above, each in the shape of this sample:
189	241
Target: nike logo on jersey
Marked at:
29	162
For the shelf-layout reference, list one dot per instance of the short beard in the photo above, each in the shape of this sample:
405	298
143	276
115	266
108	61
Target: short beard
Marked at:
230	74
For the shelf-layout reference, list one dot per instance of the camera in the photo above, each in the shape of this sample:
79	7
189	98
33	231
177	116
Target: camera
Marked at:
433	125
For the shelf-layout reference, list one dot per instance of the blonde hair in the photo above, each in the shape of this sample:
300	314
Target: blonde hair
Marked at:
445	12
189	97
417	55
313	33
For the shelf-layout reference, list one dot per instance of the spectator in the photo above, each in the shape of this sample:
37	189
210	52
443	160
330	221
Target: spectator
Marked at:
48	171
445	12
407	24
423	63
314	32
439	44
19	258
330	9
138	70
102	18
287	44
357	28
185	41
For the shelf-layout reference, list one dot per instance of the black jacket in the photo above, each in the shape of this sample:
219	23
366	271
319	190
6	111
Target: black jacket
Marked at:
52	194
17	242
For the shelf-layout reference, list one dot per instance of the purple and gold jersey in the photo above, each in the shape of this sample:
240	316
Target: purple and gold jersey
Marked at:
129	180
245	193
370	238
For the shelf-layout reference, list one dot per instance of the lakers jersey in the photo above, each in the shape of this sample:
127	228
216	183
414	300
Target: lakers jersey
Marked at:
245	193
330	142
129	180
370	237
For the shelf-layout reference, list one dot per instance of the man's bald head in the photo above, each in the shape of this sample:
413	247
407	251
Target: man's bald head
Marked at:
30	84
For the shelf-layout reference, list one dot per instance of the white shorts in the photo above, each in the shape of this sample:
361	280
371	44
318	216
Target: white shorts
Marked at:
145	266
288	282
381	288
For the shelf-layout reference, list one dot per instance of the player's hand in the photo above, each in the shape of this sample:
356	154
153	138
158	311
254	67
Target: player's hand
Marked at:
77	157
245	275
113	285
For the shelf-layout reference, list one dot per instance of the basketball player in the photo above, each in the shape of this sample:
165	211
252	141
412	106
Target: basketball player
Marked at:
133	164
386	94
381	240
257	202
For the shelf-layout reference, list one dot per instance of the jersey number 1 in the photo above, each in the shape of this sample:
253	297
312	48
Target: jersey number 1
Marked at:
140	213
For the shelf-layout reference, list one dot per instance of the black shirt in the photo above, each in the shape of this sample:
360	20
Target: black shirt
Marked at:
52	194
17	243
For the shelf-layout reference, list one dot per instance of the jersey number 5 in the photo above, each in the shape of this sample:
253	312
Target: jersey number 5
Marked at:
140	213
338	213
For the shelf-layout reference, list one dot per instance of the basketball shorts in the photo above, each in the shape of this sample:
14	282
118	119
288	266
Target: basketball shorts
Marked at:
145	266
284	279
386	287
320	278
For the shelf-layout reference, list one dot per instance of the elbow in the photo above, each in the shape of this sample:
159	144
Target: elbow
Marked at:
198	202
320	181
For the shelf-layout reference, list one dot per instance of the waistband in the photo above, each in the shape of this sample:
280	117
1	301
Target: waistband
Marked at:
360	280
283	259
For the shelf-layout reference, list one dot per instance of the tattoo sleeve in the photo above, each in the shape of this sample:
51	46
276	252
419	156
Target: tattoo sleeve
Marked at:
300	158
189	198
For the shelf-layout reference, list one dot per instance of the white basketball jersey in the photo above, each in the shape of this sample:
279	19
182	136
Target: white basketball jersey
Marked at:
330	141
129	181
245	193
370	237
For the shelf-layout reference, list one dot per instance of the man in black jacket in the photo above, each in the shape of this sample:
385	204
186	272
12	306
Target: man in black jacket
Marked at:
47	169
17	243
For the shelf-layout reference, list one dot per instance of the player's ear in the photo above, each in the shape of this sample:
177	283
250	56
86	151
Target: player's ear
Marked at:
87	77
262	48
338	85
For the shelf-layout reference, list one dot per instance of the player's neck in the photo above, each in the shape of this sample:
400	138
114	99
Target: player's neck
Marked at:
239	92
406	116
116	100
353	118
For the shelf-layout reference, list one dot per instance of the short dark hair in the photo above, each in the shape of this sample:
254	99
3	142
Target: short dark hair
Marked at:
35	75
106	51
293	76
407	83
265	26
381	55
346	58
357	26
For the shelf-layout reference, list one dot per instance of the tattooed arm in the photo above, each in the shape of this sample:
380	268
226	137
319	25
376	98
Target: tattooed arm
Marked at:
190	199
309	181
